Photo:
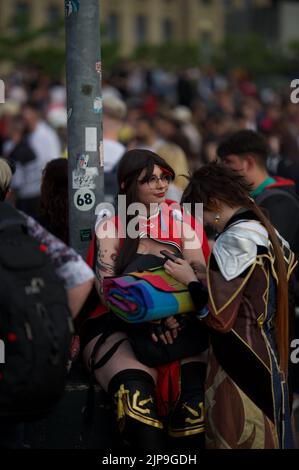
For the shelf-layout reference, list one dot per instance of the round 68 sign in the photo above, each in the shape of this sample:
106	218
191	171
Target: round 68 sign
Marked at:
84	199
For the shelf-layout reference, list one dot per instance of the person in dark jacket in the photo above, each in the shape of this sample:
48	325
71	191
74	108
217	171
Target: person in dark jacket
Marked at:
246	152
69	266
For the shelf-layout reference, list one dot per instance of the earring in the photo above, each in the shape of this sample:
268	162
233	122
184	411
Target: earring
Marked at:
217	218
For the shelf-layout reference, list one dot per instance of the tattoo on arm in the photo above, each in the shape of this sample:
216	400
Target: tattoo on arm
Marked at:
105	263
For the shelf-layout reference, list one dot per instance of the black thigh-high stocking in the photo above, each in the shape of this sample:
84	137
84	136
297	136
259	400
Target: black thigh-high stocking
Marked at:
133	393
186	424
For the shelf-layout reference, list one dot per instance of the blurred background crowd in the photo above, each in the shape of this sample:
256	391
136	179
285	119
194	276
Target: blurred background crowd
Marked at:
183	116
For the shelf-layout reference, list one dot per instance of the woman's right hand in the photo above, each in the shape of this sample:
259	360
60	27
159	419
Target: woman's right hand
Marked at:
200	271
166	331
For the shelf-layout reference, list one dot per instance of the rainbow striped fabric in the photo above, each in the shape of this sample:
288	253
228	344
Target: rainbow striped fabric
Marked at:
146	296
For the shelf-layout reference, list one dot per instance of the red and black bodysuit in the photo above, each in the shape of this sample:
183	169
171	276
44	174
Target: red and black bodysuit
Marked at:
174	405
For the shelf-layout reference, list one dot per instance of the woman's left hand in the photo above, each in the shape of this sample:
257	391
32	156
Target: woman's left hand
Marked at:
180	270
166	330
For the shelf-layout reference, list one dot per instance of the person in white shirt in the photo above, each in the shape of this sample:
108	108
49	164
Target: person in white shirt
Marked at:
114	112
44	142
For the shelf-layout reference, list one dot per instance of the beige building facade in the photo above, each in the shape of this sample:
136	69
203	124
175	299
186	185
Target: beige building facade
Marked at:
160	21
132	22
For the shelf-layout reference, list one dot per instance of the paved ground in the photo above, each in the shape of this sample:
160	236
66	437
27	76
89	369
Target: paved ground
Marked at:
65	428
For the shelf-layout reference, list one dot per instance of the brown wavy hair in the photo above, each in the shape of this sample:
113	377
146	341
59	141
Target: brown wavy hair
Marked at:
54	199
216	181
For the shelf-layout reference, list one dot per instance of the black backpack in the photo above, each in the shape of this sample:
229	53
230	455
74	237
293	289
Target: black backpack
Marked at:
35	323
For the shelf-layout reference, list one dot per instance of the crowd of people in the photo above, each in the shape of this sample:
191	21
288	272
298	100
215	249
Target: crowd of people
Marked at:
192	137
146	107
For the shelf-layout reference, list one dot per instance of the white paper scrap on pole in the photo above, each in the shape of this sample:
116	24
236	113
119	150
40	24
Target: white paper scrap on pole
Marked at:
91	139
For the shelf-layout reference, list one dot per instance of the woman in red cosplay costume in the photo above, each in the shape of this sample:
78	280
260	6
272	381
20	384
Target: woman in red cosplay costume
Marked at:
156	407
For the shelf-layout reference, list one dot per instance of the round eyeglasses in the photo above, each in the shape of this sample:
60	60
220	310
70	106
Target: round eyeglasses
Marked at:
153	181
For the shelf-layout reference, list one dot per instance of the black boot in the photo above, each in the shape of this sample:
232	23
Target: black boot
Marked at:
186	424
133	392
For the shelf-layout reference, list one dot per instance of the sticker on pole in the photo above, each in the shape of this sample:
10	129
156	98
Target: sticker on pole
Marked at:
86	235
97	105
84	199
84	176
71	6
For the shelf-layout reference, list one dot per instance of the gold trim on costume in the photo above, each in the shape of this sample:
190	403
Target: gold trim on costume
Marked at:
235	293
135	410
260	320
242	340
266	299
272	356
182	433
292	266
247	345
194	423
198	417
268	346
291	262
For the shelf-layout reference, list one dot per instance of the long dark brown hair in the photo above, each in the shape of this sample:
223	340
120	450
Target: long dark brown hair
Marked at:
132	164
216	181
54	199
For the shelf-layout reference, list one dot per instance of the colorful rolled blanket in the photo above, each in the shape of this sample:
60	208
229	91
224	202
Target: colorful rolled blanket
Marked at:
146	296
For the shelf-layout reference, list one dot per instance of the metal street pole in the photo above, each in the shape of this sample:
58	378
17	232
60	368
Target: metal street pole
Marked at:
84	104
